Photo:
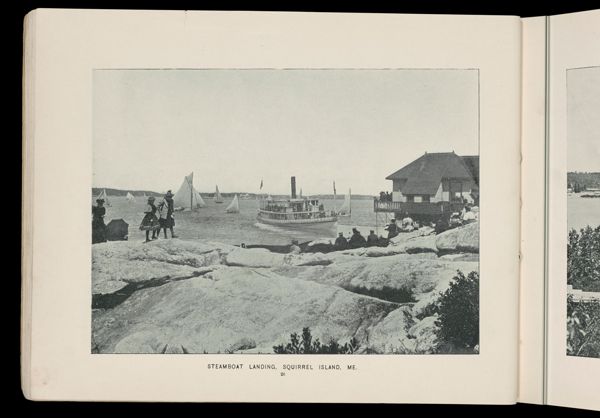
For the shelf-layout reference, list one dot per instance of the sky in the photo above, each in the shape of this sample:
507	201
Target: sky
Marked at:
234	128
583	119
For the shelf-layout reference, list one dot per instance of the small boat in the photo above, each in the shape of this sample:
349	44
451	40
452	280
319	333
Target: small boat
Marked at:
218	197
297	213
130	198
234	206
346	208
187	197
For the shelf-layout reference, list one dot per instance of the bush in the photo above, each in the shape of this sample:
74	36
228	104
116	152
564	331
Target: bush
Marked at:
583	328
306	345
458	312
583	259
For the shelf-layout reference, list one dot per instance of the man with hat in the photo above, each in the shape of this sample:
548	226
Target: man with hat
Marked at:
98	226
166	214
341	243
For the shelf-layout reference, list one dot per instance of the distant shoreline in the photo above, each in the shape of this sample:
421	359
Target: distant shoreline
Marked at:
123	192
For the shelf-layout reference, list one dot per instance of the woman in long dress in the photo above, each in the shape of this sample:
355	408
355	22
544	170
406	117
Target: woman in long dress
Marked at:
150	221
98	226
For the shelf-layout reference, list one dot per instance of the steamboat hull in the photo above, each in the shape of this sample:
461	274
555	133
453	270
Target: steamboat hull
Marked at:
326	225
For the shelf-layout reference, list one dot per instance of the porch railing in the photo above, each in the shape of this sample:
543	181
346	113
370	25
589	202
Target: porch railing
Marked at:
417	208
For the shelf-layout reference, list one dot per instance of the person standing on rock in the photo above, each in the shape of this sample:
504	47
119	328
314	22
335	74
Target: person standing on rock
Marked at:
166	214
392	229
98	226
150	221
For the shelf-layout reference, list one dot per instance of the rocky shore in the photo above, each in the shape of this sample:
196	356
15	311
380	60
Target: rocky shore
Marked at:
183	296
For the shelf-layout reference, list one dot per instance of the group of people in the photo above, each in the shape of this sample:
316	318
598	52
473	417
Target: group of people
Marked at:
156	217
385	197
357	240
165	220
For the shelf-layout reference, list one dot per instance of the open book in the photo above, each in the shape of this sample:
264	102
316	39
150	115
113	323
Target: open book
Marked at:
381	208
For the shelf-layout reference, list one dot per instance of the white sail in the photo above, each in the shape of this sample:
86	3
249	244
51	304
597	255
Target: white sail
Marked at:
184	198
218	197
104	196
234	206
346	209
198	201
130	198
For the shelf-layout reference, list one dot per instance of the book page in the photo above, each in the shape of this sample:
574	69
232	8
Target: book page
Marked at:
531	317
574	211
345	186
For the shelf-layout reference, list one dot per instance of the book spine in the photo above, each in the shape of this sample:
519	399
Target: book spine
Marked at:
27	209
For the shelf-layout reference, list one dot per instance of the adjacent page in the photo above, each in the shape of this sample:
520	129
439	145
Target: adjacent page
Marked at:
261	140
574	210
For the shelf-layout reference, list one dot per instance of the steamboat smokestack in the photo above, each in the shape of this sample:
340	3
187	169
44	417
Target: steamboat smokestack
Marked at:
293	187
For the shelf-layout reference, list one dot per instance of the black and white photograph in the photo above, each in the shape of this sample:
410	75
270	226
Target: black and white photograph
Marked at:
303	211
583	212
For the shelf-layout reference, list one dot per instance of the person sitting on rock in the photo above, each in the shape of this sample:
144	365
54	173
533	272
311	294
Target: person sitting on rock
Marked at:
454	220
357	240
372	239
392	229
340	242
468	215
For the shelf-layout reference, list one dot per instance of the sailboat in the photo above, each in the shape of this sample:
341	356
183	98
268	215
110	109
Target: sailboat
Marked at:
218	197
346	209
187	197
234	206
104	196
130	198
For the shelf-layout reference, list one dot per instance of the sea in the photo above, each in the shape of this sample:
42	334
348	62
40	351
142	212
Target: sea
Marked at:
582	212
212	223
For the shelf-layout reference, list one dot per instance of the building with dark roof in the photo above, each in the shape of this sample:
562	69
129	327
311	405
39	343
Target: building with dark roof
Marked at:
433	184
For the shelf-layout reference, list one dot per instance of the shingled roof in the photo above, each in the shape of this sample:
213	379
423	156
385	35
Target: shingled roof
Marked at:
423	176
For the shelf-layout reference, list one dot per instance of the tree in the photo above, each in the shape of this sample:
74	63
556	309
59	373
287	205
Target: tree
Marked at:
458	312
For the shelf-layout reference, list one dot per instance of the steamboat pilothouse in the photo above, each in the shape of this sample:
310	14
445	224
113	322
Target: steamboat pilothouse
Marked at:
297	213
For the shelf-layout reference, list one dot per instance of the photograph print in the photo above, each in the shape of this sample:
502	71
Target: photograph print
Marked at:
583	212
290	211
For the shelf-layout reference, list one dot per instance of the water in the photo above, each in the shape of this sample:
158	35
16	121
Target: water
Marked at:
582	212
213	224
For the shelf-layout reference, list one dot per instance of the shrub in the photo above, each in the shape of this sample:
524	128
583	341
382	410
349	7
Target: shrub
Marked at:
304	344
583	328
458	312
583	259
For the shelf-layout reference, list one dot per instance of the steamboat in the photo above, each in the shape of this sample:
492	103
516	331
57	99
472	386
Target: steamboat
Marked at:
297	213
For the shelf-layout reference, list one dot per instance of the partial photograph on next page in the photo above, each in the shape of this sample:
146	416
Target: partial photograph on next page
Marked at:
583	212
287	211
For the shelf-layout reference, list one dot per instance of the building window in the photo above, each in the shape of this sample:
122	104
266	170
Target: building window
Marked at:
410	198
426	198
